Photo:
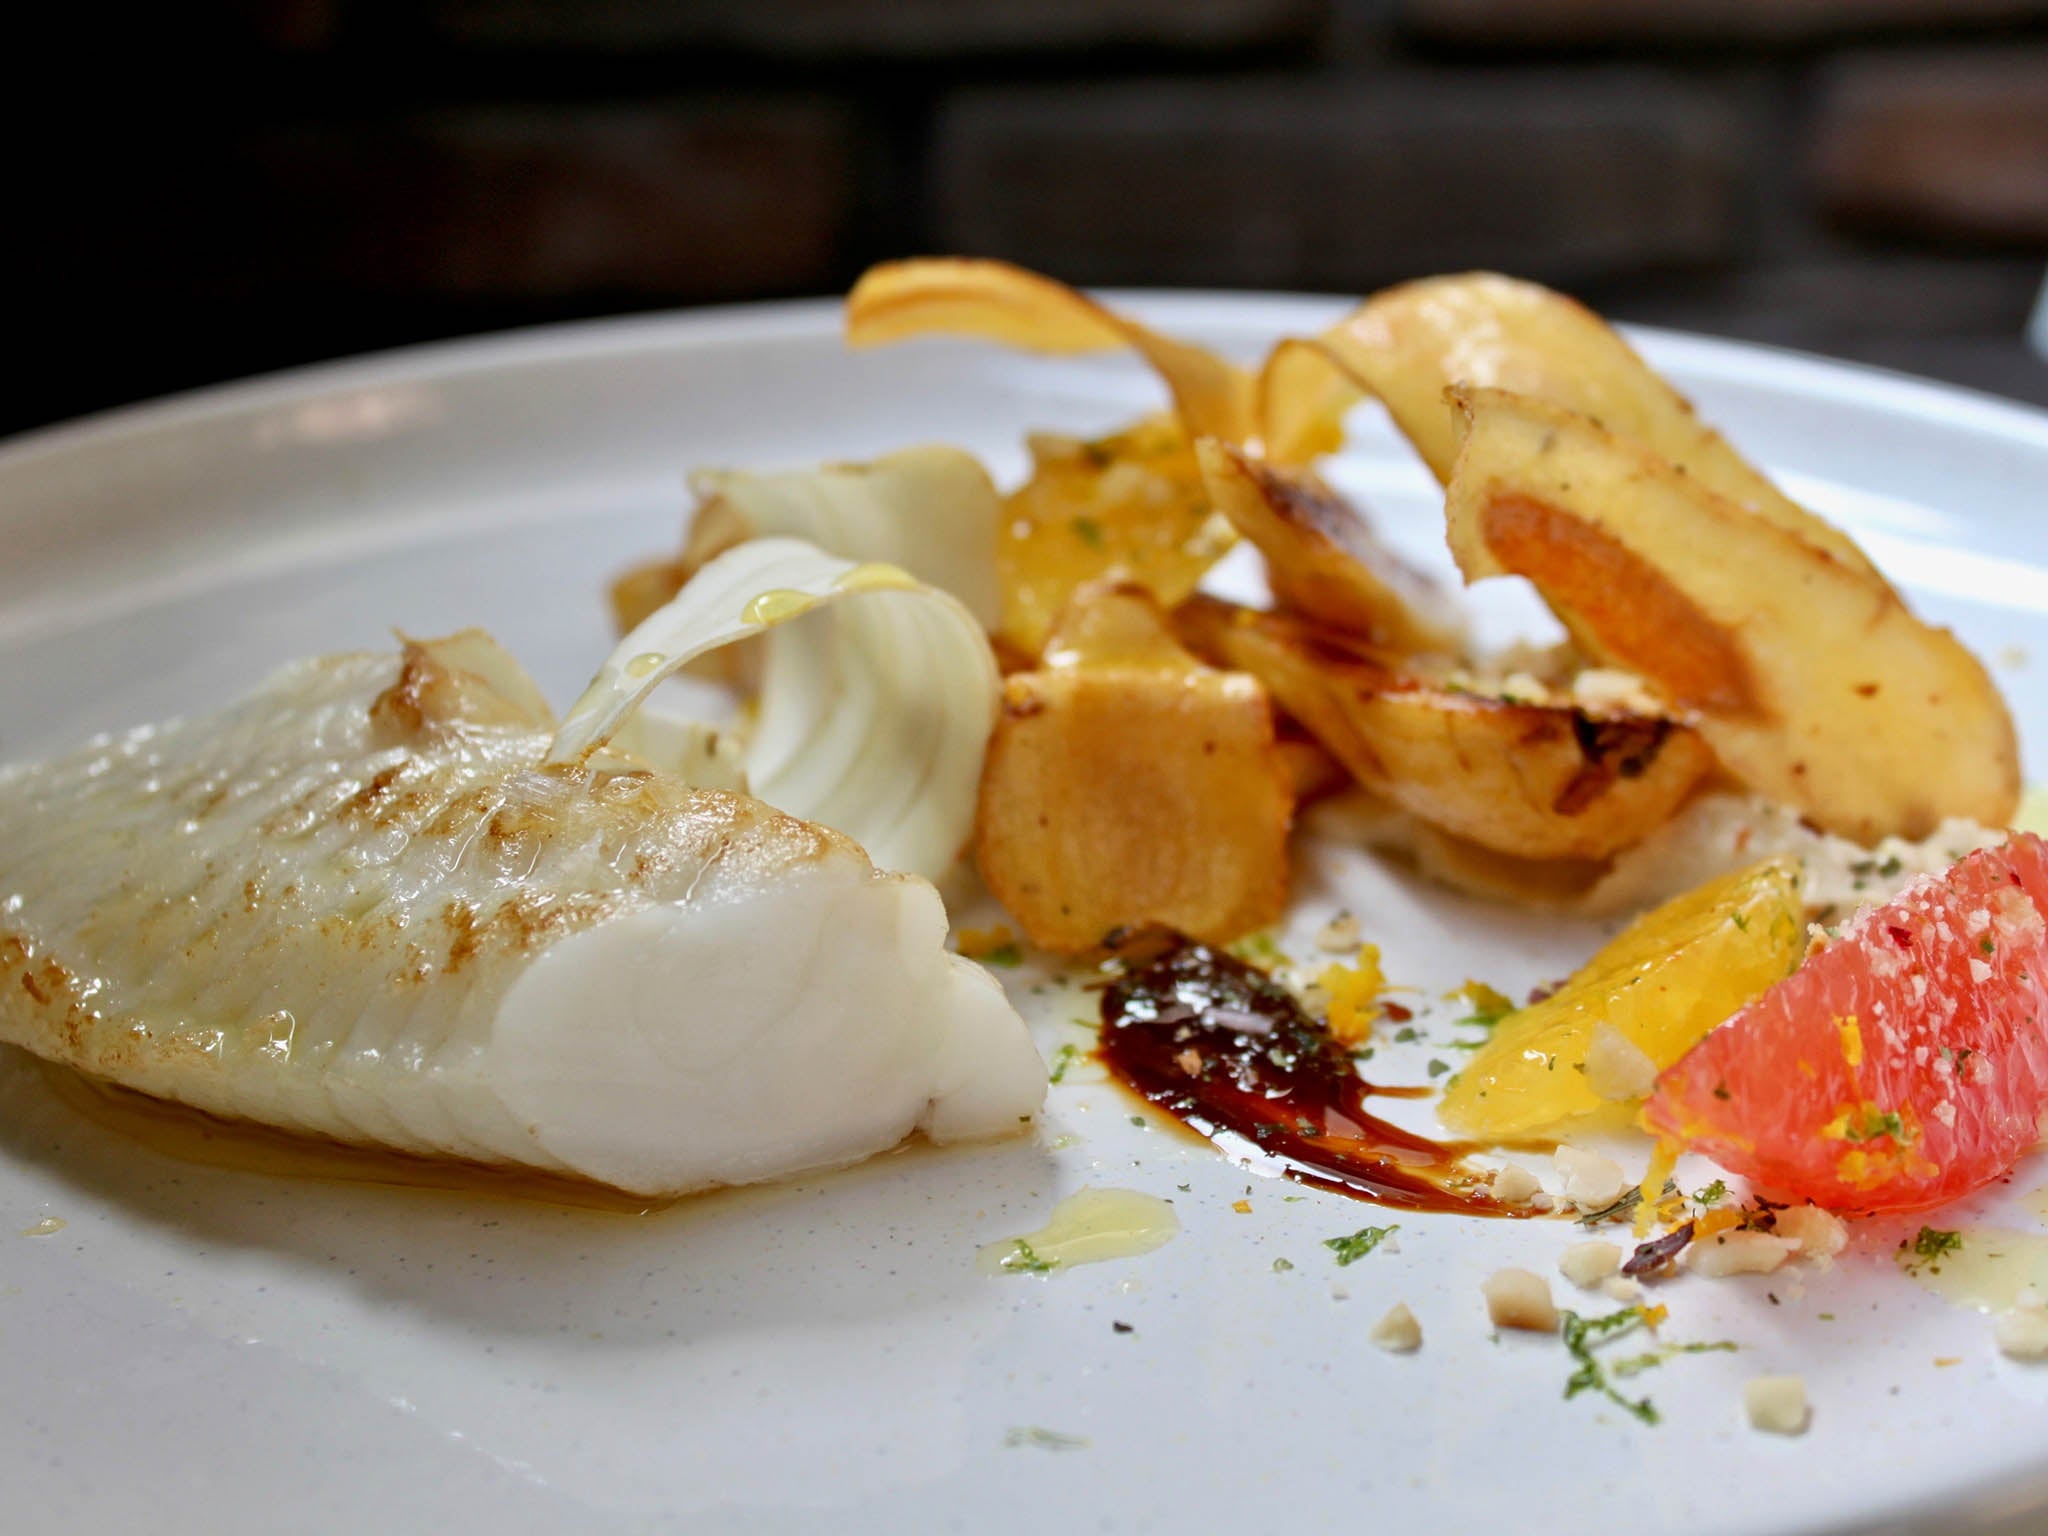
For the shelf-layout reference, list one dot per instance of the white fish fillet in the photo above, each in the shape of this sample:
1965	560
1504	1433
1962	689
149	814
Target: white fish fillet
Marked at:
357	905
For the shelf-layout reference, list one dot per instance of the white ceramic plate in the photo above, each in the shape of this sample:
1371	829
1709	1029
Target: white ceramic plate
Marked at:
201	1349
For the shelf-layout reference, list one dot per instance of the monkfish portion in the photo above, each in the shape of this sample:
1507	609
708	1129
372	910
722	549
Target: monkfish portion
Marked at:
364	903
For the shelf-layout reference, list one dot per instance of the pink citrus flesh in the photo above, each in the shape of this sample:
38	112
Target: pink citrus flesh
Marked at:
1904	1064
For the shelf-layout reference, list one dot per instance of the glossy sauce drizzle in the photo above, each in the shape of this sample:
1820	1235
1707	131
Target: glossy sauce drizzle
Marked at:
1229	1051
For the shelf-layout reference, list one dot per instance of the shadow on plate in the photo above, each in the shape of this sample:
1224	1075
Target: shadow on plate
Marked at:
508	1256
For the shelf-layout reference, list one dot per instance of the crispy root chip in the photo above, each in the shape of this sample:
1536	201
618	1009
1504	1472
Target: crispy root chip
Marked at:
1537	781
993	300
1407	345
1127	783
1322	557
1811	681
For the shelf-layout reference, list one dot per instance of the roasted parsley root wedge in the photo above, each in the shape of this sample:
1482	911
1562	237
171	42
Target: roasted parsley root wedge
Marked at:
1128	783
374	901
1406	345
994	301
1539	781
1322	557
1810	679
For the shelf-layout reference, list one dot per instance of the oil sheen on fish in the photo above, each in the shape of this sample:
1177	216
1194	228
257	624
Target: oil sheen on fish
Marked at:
360	904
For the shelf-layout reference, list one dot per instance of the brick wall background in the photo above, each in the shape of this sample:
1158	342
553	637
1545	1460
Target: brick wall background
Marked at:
264	182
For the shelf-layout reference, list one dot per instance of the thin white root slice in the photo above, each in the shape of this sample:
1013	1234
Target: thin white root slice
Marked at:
931	510
873	720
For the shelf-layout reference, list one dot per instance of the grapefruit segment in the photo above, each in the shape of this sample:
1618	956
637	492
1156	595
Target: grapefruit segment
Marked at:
1904	1064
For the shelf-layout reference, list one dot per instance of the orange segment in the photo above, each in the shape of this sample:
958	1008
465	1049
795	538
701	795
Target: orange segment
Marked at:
1662	983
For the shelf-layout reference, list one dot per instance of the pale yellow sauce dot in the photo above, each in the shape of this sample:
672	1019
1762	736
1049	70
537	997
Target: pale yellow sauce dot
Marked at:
1988	1272
1088	1227
45	1227
776	606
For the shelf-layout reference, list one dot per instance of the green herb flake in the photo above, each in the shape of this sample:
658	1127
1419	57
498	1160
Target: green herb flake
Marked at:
1260	949
1406	1033
1006	955
1584	1335
1931	1245
1138	1121
1062	1059
1088	531
1350	1250
1876	1123
1713	1194
1044	1439
1023	1259
1437	1068
1281	1266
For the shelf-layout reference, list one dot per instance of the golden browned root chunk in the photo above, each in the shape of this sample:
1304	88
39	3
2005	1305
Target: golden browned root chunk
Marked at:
1810	679
1322	557
1131	506
992	300
1406	345
1538	781
1128	783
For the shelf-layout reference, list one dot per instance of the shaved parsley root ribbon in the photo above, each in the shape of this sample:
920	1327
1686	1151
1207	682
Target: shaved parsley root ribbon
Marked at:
994	301
932	510
873	717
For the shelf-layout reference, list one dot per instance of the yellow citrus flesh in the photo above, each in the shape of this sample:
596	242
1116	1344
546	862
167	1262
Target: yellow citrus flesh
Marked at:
1663	982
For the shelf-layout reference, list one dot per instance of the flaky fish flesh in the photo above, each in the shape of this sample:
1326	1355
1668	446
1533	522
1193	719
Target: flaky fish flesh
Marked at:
363	904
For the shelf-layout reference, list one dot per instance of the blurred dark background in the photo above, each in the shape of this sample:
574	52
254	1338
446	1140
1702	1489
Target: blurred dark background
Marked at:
254	183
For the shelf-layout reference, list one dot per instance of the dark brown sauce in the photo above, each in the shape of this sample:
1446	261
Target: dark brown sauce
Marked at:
1227	1050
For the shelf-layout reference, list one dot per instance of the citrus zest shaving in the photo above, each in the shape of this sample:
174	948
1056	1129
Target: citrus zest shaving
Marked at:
1662	1161
1353	991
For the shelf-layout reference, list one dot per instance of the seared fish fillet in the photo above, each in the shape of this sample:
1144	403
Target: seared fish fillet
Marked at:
358	905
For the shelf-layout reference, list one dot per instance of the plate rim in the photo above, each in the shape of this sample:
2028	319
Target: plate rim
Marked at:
695	328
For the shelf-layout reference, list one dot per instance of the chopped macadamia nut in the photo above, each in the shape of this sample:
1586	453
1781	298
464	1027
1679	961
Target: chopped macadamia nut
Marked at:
1587	1264
1519	1298
1591	1182
1776	1404
1738	1253
1820	1234
1622	1289
1340	935
1515	1185
1398	1332
2022	1333
1617	1068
